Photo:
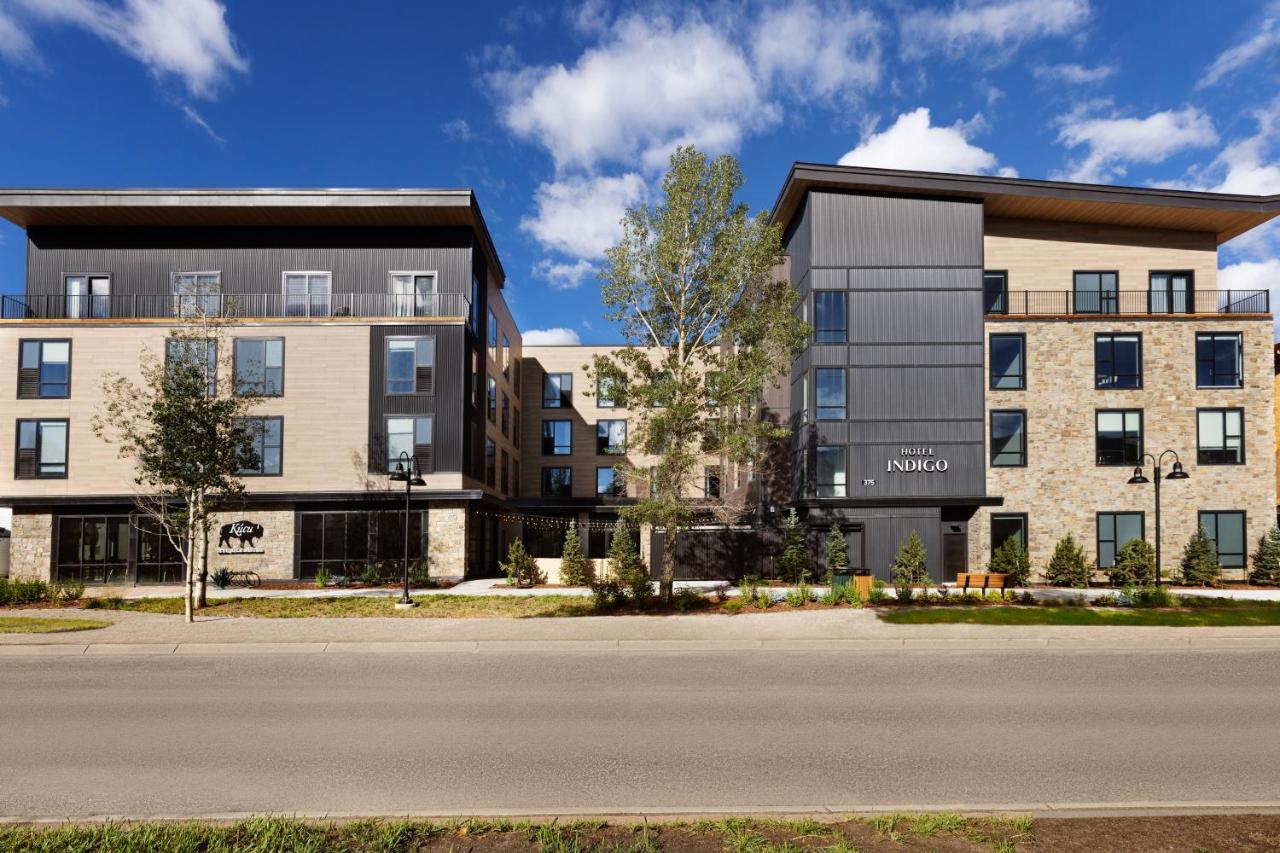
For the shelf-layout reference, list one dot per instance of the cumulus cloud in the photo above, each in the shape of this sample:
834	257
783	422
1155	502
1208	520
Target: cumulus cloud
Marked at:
550	337
841	54
914	142
1074	74
563	275
1266	40
1114	142
978	26
581	216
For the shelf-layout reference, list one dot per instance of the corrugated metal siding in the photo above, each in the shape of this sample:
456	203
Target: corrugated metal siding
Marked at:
445	404
880	231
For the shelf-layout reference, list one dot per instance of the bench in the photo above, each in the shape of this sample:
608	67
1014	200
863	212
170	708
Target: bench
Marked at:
981	581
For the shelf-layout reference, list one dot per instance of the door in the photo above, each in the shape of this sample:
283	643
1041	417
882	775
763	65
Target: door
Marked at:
955	555
1171	292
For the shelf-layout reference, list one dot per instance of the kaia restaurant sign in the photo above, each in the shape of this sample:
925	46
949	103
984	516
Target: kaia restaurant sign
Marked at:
911	460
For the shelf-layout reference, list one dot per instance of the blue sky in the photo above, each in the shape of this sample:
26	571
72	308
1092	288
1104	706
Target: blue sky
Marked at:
560	115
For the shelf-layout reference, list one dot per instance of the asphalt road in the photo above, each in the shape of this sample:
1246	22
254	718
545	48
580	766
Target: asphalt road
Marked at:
454	732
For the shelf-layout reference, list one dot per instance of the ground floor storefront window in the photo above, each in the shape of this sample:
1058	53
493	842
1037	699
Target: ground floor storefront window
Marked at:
93	549
347	542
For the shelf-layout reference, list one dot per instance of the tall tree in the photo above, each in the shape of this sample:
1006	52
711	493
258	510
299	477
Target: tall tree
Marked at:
693	285
183	429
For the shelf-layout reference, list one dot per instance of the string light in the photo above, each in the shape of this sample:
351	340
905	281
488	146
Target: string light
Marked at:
546	522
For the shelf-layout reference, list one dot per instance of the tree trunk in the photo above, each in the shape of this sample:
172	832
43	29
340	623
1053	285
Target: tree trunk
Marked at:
667	578
188	607
202	581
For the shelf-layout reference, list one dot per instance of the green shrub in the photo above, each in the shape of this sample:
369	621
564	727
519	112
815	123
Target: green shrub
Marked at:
909	567
371	575
1150	596
575	568
521	568
322	578
837	552
20	591
686	600
1011	559
113	602
627	567
1199	565
799	596
733	605
794	564
607	593
849	595
1135	564
878	595
420	573
1266	560
832	596
66	591
1068	566
222	577
762	600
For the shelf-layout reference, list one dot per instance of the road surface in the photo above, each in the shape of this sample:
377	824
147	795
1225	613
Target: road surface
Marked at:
590	732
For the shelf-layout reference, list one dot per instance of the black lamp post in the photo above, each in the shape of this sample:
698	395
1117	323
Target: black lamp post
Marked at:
1138	479
406	471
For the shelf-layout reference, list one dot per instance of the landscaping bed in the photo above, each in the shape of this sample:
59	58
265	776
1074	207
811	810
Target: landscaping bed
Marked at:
37	625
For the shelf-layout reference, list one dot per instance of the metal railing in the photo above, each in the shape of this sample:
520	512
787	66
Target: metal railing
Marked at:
1154	302
228	305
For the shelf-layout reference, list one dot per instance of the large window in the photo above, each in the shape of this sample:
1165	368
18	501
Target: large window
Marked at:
259	366
1219	360
611	437
42	449
605	397
557	390
832	477
1008	362
44	369
831	320
158	559
995	292
557	438
491	401
515	427
267	437
505	358
1117	361
609	482
830	384
411	435
197	294
411	365
1115	530
307	294
711	481
1227	531
505	420
194	354
493	332
413	294
504	473
1008	525
1008	438
1220	436
344	543
557	482
87	295
93	549
1097	292
1171	292
1119	437
490	463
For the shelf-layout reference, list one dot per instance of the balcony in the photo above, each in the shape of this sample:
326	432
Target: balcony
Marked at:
1086	303
364	306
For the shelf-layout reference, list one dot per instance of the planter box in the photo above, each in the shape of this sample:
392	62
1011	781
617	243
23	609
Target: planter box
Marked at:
861	582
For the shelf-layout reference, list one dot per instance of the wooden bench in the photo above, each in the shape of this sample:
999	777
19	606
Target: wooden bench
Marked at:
981	581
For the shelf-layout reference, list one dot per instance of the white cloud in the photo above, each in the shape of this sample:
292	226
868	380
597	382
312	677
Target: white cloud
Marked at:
198	120
458	130
581	217
1264	41
1074	74
1254	275
840	54
563	275
15	44
188	39
913	142
991	28
550	337
1113	143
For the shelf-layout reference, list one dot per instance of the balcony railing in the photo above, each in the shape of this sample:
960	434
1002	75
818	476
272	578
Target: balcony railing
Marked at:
239	305
1153	302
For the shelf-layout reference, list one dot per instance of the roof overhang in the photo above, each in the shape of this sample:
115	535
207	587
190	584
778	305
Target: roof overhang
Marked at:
1221	214
175	208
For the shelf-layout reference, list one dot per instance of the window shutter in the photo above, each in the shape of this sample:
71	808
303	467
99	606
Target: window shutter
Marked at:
28	383
424	379
27	462
424	455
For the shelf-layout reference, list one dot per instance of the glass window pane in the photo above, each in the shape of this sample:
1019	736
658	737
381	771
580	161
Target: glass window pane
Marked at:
1007	370
830	386
830	317
422	430
1128	526
1007	442
1211	424
53	444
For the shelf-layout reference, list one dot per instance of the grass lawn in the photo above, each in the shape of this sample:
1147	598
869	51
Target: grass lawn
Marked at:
35	625
429	606
1218	615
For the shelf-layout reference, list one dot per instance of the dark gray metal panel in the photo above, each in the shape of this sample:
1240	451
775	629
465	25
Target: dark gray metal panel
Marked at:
854	230
797	244
915	316
944	278
917	431
445	404
879	393
966	465
829	279
918	355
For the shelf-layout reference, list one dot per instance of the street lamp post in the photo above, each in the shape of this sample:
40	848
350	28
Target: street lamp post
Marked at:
406	471
1138	479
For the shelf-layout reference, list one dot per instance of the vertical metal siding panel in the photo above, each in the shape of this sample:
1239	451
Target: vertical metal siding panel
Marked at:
446	404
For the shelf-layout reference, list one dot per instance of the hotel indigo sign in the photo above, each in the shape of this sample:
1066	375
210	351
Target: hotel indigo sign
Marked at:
913	460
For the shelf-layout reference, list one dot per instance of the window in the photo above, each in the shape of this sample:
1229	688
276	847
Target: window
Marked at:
1008	438
604	394
1226	530
410	436
493	331
413	294
1008	362
42	449
515	376
196	355
611	437
831	472
44	369
307	294
1220	436
995	292
475	305
491	401
411	365
343	543
1119	437
711	481
830	385
1115	530
515	427
515	478
506	414
661	386
505	473
1117	362
1008	525
1096	292
1171	292
609	482
557	390
266	436
557	482
490	462
259	366
87	295
93	549
506	357
1218	360
557	438
197	294
831	321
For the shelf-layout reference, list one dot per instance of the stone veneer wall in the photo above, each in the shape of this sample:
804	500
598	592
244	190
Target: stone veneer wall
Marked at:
1062	488
276	561
447	540
31	546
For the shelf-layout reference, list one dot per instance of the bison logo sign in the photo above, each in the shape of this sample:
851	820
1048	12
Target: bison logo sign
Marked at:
246	531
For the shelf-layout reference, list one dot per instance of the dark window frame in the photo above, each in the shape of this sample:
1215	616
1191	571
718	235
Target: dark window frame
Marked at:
1244	534
388	463
1220	410
546	422
490	462
568	481
991	374
988	306
617	488
715	474
602	449
564	398
1097	438
260	447
603	401
817	387
819	331
92	298
1025	534
1116	544
40	343
1189	298
235	365
213	380
1239	337
1097	373
1113	300
991	437
17	448
386	365
818	485
491	400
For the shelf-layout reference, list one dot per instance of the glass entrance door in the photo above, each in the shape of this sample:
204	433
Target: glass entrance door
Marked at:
1171	293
